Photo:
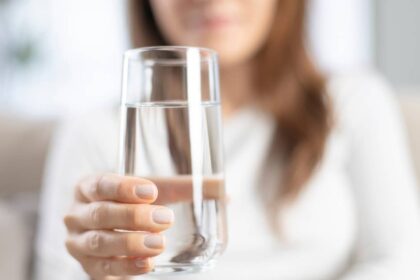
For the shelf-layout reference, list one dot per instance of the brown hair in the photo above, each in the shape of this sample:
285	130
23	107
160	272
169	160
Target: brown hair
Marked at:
294	93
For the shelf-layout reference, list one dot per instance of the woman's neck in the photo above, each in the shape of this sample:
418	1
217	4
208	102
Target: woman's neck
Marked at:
236	88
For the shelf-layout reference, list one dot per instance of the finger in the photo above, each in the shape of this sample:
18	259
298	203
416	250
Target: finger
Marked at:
111	215
177	189
117	278
111	187
102	267
107	244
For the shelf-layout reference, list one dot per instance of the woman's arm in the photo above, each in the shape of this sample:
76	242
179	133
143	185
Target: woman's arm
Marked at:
384	187
73	154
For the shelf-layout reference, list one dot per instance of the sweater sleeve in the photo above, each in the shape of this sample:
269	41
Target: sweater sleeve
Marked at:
74	153
383	184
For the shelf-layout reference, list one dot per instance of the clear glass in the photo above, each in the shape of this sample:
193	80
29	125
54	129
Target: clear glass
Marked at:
171	134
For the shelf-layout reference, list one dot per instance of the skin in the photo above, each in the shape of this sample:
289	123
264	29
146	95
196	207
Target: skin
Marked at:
236	29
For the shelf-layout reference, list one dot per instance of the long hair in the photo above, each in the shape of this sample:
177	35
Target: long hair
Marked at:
290	88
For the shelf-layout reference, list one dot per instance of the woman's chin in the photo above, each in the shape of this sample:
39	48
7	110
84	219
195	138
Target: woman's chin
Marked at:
229	55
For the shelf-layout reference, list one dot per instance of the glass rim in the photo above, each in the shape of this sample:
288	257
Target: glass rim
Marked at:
133	54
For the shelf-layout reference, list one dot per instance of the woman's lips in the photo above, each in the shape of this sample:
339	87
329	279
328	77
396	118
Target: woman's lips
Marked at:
215	23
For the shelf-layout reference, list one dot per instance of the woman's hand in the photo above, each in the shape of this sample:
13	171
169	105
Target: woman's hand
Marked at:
105	208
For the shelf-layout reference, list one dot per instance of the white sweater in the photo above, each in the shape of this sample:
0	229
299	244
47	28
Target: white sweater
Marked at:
357	218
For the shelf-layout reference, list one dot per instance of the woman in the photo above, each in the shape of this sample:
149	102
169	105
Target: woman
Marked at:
328	191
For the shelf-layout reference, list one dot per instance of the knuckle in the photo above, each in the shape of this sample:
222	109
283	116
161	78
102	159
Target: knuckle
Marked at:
100	182
95	241
96	213
109	186
132	269
105	267
137	269
119	188
94	189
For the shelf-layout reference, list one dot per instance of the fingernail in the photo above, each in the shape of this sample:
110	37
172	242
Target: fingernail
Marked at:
145	191
153	241
163	216
141	263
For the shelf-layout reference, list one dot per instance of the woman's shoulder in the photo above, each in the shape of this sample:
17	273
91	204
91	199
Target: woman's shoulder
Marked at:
366	86
357	95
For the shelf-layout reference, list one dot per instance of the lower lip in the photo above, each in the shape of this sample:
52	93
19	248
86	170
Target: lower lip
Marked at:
215	24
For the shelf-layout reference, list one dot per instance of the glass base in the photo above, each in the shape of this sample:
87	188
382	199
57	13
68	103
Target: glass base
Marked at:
182	268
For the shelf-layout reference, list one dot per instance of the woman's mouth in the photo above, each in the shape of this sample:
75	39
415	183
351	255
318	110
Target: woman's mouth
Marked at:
215	23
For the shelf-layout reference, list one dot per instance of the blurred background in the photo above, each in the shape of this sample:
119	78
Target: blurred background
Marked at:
59	58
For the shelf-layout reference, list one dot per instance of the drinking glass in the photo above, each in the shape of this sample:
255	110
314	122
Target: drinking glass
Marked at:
171	135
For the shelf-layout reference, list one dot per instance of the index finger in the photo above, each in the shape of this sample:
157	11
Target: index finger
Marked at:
113	187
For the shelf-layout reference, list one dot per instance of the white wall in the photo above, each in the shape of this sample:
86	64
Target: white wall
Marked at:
341	34
79	65
398	41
